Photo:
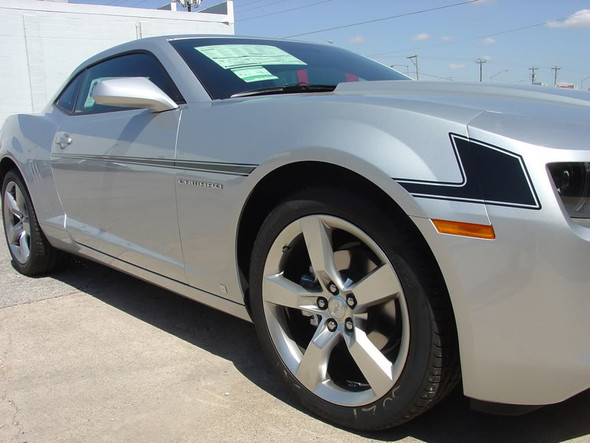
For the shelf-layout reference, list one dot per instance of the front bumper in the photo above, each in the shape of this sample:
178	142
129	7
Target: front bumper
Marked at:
521	304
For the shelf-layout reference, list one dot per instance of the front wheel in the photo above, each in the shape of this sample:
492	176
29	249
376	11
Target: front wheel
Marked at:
351	310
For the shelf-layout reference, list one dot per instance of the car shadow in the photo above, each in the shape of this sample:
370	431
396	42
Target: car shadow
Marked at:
235	340
452	420
216	332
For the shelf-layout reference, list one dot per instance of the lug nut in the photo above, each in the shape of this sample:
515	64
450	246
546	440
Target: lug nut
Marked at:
348	324
332	325
333	288
322	303
351	301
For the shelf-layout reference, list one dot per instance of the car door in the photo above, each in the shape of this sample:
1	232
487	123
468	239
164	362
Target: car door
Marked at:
114	169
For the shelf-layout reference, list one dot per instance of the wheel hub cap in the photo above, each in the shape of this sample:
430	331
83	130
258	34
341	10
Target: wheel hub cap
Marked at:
337	308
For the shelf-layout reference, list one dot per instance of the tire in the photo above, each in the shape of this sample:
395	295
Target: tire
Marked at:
31	252
351	310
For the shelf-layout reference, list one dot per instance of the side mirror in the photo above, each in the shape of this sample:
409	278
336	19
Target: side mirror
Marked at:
132	92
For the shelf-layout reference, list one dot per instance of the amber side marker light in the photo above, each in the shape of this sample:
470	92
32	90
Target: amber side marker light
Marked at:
464	229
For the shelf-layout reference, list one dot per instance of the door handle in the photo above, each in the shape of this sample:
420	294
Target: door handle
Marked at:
63	140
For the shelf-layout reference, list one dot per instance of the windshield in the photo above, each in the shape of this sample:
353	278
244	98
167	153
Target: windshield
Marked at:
230	66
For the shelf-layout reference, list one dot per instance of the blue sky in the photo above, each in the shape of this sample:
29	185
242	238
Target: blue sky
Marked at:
448	36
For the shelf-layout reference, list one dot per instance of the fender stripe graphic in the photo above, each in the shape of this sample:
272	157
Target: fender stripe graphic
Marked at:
489	175
185	165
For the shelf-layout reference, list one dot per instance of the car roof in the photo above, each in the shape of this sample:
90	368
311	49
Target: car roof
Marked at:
161	43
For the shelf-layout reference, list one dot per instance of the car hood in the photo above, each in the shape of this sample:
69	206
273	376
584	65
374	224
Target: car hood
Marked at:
532	114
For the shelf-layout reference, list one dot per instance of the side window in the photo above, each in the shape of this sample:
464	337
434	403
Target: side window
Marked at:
67	98
130	65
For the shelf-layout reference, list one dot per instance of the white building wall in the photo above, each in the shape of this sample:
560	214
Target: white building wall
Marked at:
41	42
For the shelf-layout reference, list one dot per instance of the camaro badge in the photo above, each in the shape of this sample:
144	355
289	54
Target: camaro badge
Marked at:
200	183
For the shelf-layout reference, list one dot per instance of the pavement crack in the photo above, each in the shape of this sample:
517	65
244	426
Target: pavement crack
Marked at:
5	353
13	422
31	302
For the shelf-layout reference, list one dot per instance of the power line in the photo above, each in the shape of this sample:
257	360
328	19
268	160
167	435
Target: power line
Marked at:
138	3
450	79
248	3
383	18
116	3
522	28
501	61
267	5
285	10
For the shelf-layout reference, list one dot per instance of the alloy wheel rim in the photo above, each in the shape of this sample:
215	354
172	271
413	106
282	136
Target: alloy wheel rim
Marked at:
16	223
335	310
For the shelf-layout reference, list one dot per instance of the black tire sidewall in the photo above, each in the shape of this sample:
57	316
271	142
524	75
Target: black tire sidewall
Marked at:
399	404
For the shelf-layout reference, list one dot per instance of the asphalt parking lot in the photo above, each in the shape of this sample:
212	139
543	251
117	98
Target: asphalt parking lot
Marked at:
90	354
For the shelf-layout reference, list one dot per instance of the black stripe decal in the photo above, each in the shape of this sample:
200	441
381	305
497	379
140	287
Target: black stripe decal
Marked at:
185	165
222	168
489	175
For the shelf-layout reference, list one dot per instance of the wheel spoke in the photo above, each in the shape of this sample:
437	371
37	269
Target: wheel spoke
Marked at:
14	232
23	242
376	368
376	288
313	367
319	248
281	291
26	225
12	204
20	200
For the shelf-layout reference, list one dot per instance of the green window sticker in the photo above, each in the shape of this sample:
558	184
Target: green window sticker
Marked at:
253	74
239	56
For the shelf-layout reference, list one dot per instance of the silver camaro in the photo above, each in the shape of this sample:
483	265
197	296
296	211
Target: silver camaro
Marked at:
388	238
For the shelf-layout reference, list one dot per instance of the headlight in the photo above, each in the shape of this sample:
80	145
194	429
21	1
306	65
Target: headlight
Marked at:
572	181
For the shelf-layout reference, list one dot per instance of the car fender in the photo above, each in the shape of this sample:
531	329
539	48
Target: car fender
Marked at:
27	141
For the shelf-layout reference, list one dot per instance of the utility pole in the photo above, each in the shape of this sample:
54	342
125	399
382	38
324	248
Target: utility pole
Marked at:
555	68
480	62
415	57
533	69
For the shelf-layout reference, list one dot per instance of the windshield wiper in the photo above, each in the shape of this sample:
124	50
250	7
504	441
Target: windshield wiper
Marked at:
287	89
